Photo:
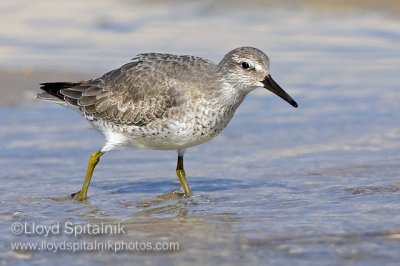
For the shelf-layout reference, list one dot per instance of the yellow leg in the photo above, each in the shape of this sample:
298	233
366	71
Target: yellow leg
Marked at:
180	172
93	160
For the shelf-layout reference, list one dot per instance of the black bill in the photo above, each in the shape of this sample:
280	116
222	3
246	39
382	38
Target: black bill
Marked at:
272	86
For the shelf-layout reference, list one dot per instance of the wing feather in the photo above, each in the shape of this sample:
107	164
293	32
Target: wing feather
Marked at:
71	93
138	92
87	100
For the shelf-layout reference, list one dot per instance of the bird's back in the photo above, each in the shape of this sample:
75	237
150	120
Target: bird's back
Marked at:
138	92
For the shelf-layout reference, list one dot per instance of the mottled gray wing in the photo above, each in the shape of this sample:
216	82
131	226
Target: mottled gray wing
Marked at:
135	94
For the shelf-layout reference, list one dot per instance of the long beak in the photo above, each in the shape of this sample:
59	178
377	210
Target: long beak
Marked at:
272	86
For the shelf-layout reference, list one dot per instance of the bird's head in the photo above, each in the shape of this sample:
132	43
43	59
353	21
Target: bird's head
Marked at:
247	68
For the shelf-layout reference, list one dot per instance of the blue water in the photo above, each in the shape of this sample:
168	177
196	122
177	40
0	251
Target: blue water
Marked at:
317	185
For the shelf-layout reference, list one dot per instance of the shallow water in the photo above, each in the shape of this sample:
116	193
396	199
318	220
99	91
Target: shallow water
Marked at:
317	185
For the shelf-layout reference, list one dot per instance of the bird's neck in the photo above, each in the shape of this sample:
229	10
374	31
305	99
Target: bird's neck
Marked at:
231	96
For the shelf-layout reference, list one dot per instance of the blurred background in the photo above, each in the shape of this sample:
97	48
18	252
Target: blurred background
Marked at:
317	185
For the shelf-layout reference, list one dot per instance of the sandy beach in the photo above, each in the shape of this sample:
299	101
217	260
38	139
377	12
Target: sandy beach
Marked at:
317	185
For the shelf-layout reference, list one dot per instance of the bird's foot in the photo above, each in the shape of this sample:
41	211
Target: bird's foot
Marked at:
183	194
78	196
161	199
174	194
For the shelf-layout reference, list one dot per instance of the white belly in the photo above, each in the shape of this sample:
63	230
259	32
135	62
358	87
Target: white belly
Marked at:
196	125
175	136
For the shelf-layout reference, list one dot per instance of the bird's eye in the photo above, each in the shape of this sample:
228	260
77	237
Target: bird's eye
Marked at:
245	65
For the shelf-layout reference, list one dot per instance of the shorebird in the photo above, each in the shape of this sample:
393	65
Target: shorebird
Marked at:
164	102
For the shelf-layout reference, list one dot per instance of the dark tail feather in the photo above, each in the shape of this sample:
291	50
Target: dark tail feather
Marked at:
53	88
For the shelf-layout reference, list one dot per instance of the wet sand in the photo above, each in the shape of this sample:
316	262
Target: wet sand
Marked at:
390	6
19	86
